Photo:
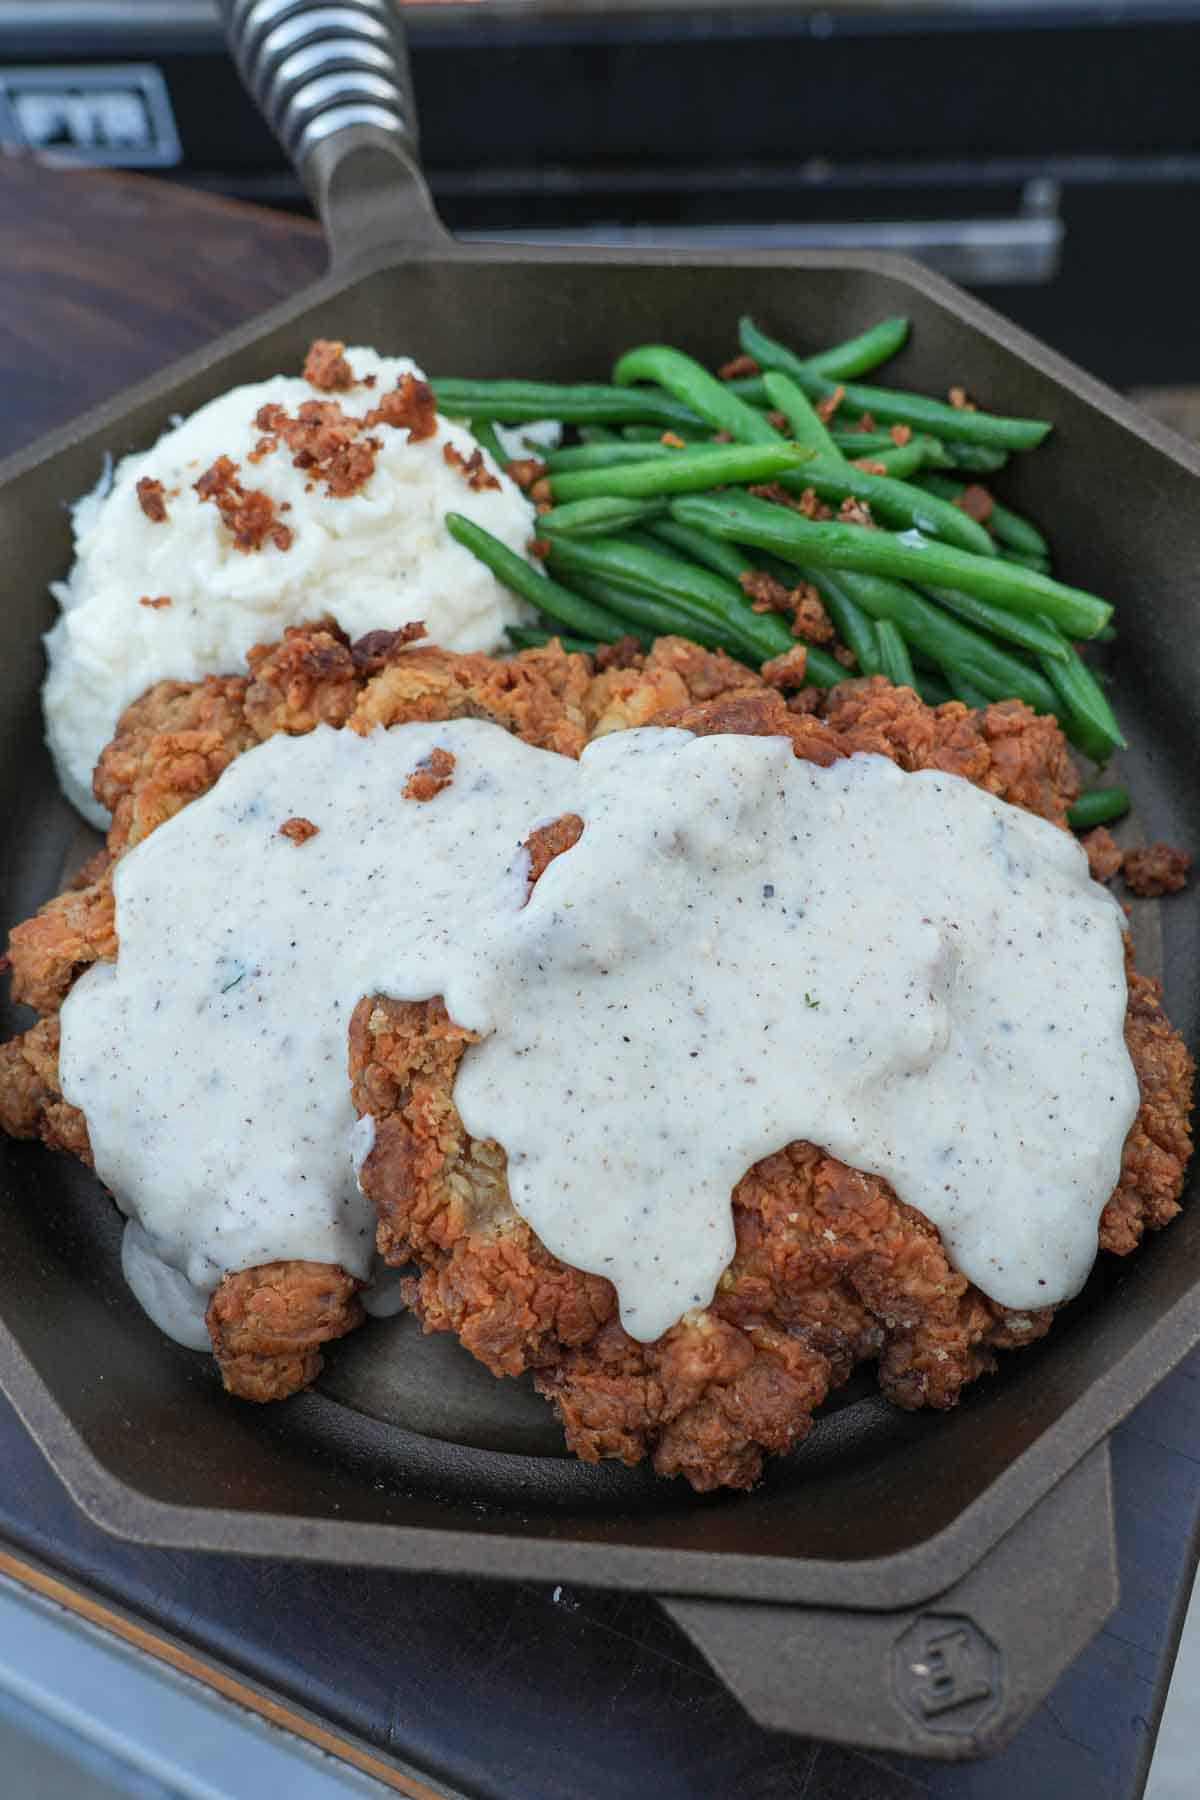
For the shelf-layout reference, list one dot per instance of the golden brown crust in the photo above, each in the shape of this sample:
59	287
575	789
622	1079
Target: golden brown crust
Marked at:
1158	869
65	936
267	1325
31	1102
831	1267
1103	853
168	747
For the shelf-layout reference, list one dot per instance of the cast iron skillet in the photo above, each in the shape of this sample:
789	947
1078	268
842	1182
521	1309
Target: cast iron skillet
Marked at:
913	1582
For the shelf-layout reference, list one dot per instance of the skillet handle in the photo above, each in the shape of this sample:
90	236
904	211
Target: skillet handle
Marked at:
951	1678
331	79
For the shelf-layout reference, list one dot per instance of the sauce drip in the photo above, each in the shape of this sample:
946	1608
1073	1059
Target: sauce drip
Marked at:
741	949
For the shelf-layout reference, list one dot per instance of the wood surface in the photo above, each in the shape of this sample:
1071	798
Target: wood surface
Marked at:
106	278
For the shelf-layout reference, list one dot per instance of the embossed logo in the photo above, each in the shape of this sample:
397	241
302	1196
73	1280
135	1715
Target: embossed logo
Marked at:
947	1674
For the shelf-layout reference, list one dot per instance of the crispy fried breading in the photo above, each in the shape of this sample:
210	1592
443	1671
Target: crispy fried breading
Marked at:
168	747
63	938
31	1102
831	1267
267	1324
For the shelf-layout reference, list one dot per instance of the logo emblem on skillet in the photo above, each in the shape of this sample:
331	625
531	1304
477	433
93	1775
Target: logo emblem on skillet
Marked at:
947	1674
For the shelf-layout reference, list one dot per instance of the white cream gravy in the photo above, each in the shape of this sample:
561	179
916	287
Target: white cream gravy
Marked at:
741	949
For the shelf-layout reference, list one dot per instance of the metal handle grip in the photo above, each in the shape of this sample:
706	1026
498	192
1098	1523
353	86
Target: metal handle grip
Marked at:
332	81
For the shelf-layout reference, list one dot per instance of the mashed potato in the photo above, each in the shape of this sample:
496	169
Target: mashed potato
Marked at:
175	597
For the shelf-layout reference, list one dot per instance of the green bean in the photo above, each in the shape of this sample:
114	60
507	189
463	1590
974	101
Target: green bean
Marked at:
686	471
1018	628
600	434
749	388
841	362
586	403
484	433
661	576
653	434
932	689
1083	696
1008	528
896	502
975	459
696	390
603	456
713	552
904	555
901	462
893	407
1039	563
655	617
530	637
945	642
878	443
855	627
964	689
895	661
514	572
860	354
1099	806
600	515
803	420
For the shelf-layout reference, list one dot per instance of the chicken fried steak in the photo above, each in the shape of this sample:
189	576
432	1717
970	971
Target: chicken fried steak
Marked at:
831	1268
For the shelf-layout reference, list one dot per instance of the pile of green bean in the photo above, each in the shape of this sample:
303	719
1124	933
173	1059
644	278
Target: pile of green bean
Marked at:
650	525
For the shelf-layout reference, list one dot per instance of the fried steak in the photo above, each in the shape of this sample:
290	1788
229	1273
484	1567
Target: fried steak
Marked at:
831	1268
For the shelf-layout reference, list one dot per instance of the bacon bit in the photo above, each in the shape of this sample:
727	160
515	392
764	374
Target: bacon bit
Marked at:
900	434
525	471
829	405
625	653
1103	853
540	491
298	830
976	502
870	465
322	438
958	399
1158	869
248	513
764	592
539	547
779	420
472	469
809	619
410	406
721	437
431	776
844	656
853	511
325	366
807	701
158	601
802	603
808	503
150	499
376	649
369	380
788	670
673	440
264	447
544	506
736	366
